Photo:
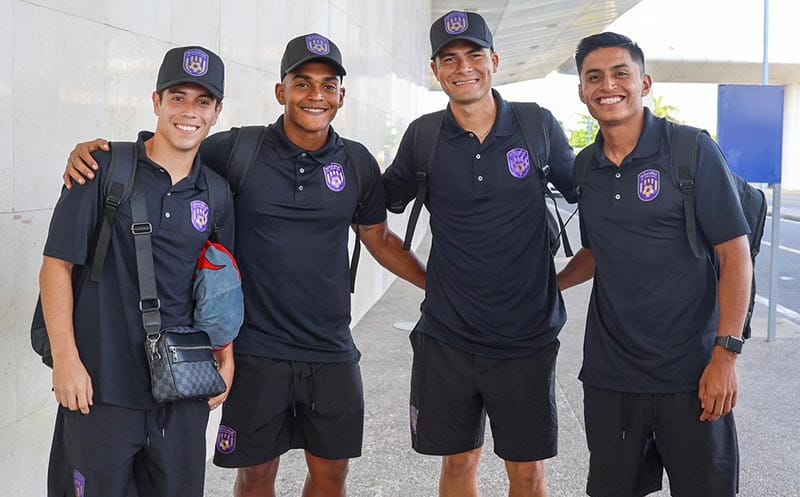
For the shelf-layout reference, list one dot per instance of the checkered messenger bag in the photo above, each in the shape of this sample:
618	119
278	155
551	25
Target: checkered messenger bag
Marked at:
181	359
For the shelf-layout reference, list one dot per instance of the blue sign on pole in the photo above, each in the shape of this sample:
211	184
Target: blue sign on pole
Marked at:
750	127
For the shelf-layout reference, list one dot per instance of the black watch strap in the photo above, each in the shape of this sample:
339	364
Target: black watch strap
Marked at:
730	343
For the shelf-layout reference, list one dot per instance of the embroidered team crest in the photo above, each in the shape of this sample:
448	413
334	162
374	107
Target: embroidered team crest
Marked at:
649	185
226	440
334	177
456	23
519	162
195	62
199	211
79	482
318	44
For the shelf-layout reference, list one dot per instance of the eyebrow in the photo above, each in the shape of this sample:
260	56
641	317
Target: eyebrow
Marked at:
470	51
309	78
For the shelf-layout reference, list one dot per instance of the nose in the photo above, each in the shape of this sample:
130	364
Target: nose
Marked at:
464	64
316	93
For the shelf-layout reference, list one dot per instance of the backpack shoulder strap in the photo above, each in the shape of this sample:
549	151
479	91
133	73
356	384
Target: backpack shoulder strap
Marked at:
428	127
116	188
580	169
683	166
243	154
531	120
356	166
216	187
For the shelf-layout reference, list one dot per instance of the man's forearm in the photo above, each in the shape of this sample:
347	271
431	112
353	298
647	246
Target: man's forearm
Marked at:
55	283
387	249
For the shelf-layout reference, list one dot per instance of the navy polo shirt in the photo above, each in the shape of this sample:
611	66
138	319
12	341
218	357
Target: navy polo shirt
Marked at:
293	224
491	283
653	310
108	324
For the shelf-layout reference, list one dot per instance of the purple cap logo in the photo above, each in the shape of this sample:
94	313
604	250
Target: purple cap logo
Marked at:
79	482
226	440
199	211
195	62
318	44
334	177
649	185
519	163
456	23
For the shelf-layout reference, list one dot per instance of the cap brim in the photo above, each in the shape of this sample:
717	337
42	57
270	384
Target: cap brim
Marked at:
477	41
339	68
189	81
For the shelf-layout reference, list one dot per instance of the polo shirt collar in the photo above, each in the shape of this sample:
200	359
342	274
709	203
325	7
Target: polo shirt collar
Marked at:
194	179
287	149
648	145
503	125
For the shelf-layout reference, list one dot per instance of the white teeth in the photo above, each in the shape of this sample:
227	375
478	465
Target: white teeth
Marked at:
459	83
316	111
184	127
610	100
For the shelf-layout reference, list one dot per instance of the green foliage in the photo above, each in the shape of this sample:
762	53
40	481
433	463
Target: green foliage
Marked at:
584	135
660	109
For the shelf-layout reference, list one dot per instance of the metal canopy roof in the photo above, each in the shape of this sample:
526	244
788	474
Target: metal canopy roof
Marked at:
535	37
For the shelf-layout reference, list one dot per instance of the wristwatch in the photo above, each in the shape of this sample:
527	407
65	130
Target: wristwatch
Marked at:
730	343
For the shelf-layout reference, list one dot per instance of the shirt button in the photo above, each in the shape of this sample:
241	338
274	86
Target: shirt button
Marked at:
302	170
617	196
167	214
472	135
617	175
303	154
169	194
480	178
477	156
300	188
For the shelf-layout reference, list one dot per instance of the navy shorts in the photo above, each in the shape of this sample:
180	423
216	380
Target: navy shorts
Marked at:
452	392
275	406
633	437
119	452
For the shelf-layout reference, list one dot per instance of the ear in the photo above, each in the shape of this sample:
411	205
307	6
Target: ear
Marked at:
280	93
495	61
156	103
435	69
341	97
647	84
217	111
580	93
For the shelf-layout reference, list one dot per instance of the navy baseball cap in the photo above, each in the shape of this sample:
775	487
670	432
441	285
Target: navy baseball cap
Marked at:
457	25
311	47
195	65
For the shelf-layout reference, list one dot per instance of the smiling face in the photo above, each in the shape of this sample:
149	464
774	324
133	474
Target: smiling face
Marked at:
612	86
186	114
311	96
465	71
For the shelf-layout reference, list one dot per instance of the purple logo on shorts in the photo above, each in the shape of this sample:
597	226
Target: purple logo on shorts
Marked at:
226	439
413	415
195	62
334	177
79	482
317	44
519	163
456	23
199	215
649	185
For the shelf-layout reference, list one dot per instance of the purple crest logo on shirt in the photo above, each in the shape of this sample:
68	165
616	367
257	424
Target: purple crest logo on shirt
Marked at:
195	62
456	23
226	440
79	482
199	211
334	177
649	185
413	415
318	44
519	162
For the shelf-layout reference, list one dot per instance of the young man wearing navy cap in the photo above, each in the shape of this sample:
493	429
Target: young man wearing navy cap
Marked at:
112	439
659	370
486	342
298	382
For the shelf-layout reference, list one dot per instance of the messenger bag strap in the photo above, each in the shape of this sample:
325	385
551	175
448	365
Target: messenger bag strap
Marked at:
149	303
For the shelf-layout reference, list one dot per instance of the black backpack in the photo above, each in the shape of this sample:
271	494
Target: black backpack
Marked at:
683	166
247	143
529	116
117	187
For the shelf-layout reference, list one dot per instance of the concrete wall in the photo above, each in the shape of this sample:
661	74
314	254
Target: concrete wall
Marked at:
71	71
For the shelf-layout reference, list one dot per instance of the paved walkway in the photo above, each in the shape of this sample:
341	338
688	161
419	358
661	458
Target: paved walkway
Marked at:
767	415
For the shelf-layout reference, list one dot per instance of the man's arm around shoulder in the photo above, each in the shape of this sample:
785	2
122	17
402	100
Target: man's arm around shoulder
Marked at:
71	382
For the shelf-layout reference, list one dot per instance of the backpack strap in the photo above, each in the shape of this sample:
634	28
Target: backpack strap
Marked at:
683	166
216	213
117	186
432	124
580	169
243	154
361	199
534	120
